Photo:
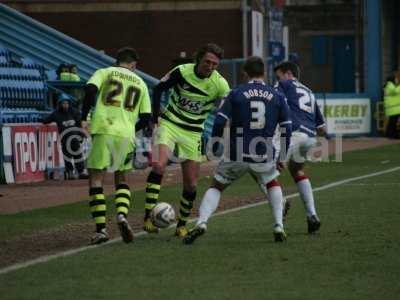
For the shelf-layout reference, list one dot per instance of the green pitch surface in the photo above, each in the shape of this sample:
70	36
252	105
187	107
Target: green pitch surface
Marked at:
354	163
355	256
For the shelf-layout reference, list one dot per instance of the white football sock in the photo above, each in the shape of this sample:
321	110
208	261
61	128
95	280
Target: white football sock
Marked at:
306	195
208	205
275	197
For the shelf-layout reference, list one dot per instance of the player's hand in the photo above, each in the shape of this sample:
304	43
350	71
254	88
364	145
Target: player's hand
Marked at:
280	166
217	149
85	127
155	119
322	131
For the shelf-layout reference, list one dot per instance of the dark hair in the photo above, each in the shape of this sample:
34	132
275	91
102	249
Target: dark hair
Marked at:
254	66
127	55
390	78
61	67
288	66
212	48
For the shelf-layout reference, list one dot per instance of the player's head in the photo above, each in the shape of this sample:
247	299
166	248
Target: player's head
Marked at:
73	69
397	77
287	70
127	57
254	67
62	68
207	59
65	105
63	102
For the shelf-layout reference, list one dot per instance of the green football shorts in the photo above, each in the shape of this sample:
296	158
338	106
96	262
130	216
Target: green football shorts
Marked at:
111	152
184	143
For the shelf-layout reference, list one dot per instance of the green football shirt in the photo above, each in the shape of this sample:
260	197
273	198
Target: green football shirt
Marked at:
193	98
121	97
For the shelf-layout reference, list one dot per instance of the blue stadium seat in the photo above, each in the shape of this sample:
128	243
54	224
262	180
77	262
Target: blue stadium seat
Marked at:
51	75
3	61
4	52
27	62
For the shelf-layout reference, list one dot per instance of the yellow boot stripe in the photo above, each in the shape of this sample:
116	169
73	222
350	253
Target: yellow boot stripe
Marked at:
185	210
184	201
122	209
122	200
98	208
152	196
183	218
149	206
98	197
100	220
153	186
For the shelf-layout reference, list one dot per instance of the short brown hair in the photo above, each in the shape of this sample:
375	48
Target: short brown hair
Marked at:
210	47
254	66
127	55
288	66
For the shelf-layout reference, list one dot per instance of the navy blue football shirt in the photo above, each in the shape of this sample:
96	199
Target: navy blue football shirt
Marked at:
305	113
254	110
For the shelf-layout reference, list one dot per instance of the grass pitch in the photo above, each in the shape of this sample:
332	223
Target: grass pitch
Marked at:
355	256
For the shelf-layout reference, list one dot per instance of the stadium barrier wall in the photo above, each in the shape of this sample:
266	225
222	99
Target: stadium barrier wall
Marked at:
346	114
2	175
30	152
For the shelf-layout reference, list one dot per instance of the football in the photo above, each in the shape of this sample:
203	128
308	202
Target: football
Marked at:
162	215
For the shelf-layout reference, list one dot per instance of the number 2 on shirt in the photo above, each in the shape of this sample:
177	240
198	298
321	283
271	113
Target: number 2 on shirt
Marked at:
306	100
131	98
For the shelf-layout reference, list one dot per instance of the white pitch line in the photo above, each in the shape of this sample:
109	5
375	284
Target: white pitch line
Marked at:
47	258
321	188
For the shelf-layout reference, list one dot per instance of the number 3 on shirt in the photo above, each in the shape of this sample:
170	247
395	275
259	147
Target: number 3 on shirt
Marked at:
257	115
131	98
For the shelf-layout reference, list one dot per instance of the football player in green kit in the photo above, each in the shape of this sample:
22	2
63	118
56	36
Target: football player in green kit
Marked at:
195	90
119	98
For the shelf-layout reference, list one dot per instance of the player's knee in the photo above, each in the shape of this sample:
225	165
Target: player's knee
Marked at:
296	174
95	178
158	167
295	169
190	183
119	177
218	185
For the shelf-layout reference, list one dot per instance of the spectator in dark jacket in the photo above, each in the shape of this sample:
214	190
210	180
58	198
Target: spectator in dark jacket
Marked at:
68	122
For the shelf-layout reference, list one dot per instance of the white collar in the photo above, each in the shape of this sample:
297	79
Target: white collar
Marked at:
257	81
